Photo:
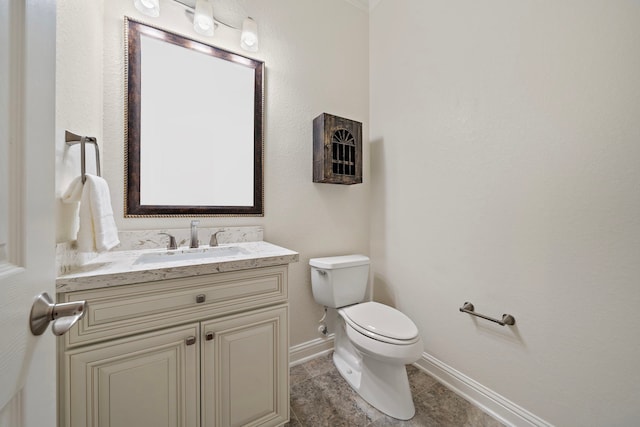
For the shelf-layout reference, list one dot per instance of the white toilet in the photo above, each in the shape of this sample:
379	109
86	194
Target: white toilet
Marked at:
373	342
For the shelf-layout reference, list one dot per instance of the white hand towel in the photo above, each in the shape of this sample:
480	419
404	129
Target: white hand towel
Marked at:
97	231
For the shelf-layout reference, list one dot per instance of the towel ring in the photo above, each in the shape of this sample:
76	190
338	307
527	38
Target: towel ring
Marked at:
73	139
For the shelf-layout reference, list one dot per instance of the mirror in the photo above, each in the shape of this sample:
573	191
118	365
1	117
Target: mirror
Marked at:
194	127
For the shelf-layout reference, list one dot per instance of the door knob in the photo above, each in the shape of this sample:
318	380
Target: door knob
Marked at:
63	315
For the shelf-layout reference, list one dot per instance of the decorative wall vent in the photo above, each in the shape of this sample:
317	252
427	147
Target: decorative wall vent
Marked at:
337	150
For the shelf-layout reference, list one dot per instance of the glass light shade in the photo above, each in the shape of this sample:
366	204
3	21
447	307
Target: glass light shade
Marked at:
249	37
148	7
203	18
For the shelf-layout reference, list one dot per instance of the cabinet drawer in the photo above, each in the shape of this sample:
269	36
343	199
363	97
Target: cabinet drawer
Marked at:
125	310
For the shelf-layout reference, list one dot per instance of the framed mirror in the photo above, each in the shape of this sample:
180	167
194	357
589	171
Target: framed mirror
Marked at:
194	127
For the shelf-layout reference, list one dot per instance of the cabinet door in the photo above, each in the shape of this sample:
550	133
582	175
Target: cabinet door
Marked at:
150	380
245	369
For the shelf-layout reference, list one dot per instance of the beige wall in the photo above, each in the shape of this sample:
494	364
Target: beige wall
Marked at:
505	149
504	171
79	103
316	59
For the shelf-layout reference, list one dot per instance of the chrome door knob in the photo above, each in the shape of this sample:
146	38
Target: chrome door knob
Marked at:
63	315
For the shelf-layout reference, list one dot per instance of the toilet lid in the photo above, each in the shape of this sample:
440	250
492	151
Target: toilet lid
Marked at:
381	320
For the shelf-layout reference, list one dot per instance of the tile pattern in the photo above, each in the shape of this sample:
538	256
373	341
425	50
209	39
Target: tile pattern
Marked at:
321	397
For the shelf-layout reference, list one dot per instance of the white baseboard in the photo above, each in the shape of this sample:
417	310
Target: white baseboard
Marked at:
310	350
486	399
489	401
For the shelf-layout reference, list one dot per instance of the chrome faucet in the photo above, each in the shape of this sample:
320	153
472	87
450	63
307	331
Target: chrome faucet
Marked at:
214	238
172	241
194	234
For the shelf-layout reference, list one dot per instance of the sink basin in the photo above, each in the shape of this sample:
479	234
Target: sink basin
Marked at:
188	254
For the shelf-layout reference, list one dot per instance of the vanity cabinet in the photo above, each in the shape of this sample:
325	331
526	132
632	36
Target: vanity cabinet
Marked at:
206	351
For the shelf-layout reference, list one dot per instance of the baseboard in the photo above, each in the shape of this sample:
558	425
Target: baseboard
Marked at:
489	401
310	350
486	399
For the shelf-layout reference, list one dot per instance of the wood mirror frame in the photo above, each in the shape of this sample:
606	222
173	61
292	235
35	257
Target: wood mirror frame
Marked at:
135	204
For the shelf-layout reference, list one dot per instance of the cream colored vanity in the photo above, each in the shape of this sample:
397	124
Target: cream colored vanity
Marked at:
191	343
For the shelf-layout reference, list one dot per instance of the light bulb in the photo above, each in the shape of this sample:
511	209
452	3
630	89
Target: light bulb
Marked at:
202	23
203	18
148	7
249	37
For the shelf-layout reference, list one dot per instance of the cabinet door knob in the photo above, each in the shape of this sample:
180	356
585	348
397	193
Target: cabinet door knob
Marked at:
190	340
201	298
209	336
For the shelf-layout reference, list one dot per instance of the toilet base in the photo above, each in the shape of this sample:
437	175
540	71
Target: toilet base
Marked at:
382	384
384	387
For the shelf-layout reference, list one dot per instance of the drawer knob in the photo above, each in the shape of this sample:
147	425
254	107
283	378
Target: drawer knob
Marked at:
201	298
190	340
209	336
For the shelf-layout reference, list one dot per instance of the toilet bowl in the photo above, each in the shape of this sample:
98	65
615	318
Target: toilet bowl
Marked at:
373	342
382	332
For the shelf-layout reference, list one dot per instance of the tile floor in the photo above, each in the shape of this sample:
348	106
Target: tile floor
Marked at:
321	397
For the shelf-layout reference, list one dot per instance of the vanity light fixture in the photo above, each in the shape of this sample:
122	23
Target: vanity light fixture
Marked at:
204	22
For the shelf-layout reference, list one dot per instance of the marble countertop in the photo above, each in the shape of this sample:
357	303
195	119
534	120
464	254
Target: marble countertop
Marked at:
122	267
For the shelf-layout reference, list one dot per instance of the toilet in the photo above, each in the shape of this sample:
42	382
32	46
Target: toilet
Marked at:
373	342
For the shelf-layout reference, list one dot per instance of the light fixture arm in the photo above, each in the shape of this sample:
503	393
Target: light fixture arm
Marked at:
190	10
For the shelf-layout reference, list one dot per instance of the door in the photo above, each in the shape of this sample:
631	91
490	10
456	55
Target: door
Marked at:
245	369
27	235
148	380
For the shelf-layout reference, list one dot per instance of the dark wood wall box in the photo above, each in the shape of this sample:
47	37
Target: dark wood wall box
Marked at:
337	150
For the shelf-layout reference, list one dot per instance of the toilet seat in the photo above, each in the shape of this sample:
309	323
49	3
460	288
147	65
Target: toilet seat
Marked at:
381	322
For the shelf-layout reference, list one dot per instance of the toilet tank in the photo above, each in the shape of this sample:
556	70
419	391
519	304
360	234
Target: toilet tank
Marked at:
340	280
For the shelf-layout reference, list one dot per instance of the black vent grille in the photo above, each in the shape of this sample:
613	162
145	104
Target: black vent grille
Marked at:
344	153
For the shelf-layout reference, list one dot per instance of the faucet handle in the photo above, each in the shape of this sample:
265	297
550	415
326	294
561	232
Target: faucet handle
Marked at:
194	234
172	241
214	238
